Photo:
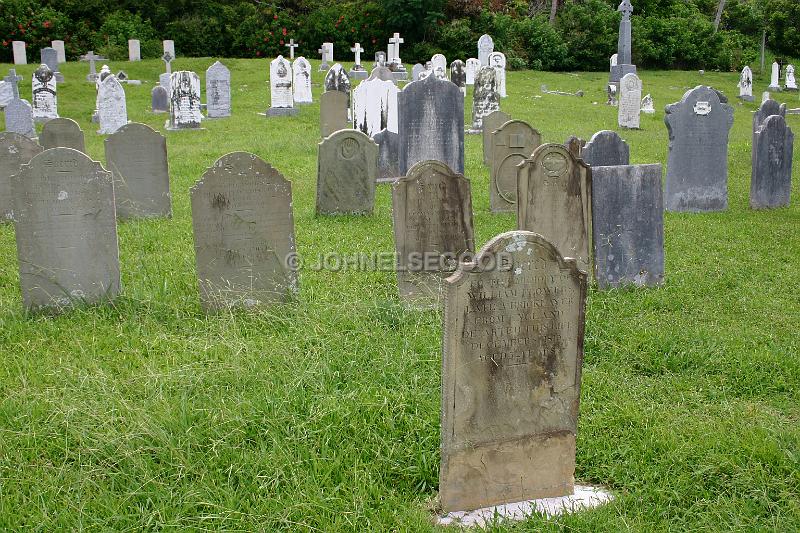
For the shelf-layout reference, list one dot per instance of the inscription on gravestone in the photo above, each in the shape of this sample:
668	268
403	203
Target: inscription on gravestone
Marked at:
485	98
218	91
771	178
346	172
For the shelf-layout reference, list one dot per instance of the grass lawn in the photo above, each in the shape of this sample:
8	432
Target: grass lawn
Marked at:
324	415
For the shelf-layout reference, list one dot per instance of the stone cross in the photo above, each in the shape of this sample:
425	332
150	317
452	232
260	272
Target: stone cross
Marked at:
12	79
624	43
396	40
323	51
291	46
91	57
167	59
357	51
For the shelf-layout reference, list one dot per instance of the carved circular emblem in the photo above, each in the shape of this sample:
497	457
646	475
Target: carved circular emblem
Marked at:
630	84
554	164
349	148
282	70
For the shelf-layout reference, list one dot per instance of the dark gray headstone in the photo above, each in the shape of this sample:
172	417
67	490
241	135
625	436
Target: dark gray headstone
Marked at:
624	65
15	150
388	155
64	133
697	164
771	180
333	111
628	225
458	75
767	108
606	149
159	100
431	124
347	168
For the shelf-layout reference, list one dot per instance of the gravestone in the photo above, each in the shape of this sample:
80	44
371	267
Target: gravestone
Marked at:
134	50
159	100
491	122
472	68
647	105
697	164
291	45
380	59
15	150
137	157
439	61
165	79
49	57
301	70
105	71
432	215
112	111
623	65
337	80
12	81
76	259
416	70
611	90
169	48
497	60
358	72
382	73
554	199
184	101
512	353
91	57
333	113
628	225
19	118
346	172
395	63
62	133
280	89
485	47
326	51
218	91
791	82
458	76
575	146
375	106
20	56
606	149
43	87
771	179
243	234
431	124
511	143
767	108
485	98
746	85
613	60
6	93
388	155
775	82
630	101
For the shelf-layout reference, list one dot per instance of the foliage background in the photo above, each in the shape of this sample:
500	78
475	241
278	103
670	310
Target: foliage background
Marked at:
667	33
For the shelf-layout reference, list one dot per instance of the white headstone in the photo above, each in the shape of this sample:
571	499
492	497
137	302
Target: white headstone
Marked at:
169	46
134	50
43	87
439	61
112	112
184	101
301	69
375	106
218	91
630	101
59	48
280	87
20	58
746	84
791	82
775	82
473	65
613	60
497	60
647	105
485	47
764	96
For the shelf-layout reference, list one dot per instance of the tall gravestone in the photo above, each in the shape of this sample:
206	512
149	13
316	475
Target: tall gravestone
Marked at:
485	98
554	199
347	168
697	164
775	77
20	56
471	69
497	60
485	47
280	89
136	155
62	133
630	100
159	100
327	56
491	122
388	155
511	144
169	47
15	150
184	101
628	225
771	178
243	234
458	76
19	118
112	110
375	106
605	149
301	70
66	231
624	63
333	112
358	72
43	87
746	84
218	91
61	52
431	124
432	215
512	354
134	50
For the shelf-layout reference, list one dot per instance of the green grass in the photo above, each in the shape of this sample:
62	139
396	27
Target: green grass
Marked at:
324	415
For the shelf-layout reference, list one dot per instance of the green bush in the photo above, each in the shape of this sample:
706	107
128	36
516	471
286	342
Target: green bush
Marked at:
112	38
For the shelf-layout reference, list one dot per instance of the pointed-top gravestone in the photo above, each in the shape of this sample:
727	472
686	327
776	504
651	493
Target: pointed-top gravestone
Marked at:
510	144
491	122
218	91
512	353
606	148
184	101
43	87
485	47
347	168
458	76
112	111
388	155
76	260
630	100
336	79
301	69
375	106
291	46
697	164
159	100
15	150
62	133
485	98
775	78
497	60
137	157
771	179
333	111
746	84
280	89
19	118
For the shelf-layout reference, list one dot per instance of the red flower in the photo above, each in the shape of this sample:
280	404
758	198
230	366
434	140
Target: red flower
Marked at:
46	24
5	43
258	53
281	41
284	31
275	17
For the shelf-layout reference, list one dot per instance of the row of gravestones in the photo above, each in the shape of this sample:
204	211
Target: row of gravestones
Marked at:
134	50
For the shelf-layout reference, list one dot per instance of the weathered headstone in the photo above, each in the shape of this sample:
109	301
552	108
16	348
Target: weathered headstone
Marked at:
512	353
169	47
49	57
388	155
134	50
485	47
6	93
554	199
628	225
43	87
112	110
20	56
19	118
301	70
76	260
624	64
159	100
432	215
647	105
358	72
375	106
790	81
439	61
333	113
771	179
243	234
511	143
575	146
431	124
497	60
767	108
605	149
491	122
137	157
611	90
458	76
184	101
62	133
775	81
336	79
61	53
346	172
380	59
697	164
630	101
485	98
280	89
746	85
15	150
218	91
12	80
472	68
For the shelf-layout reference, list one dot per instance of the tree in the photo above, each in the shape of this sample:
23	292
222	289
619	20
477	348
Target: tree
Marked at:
553	10
718	17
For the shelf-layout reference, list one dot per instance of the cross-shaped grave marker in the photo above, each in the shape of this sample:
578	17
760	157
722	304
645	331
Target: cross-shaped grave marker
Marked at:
357	51
396	41
91	57
291	46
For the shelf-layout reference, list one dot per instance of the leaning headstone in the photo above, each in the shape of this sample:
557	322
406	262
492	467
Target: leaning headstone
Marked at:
243	234
280	89
605	149
184	101
49	57
485	98
218	91
647	105
159	100
169	47
301	70
458	76
62	133
790	81
771	179
375	106
388	155
15	150
61	53
497	60
485	47
137	157
112	111
628	225
346	172
77	259
134	50
20	57
624	63
336	79
512	354
19	118
491	122
333	113
471	69
431	124
554	199
43	87
746	84
630	100
432	215
697	164
775	81
511	144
